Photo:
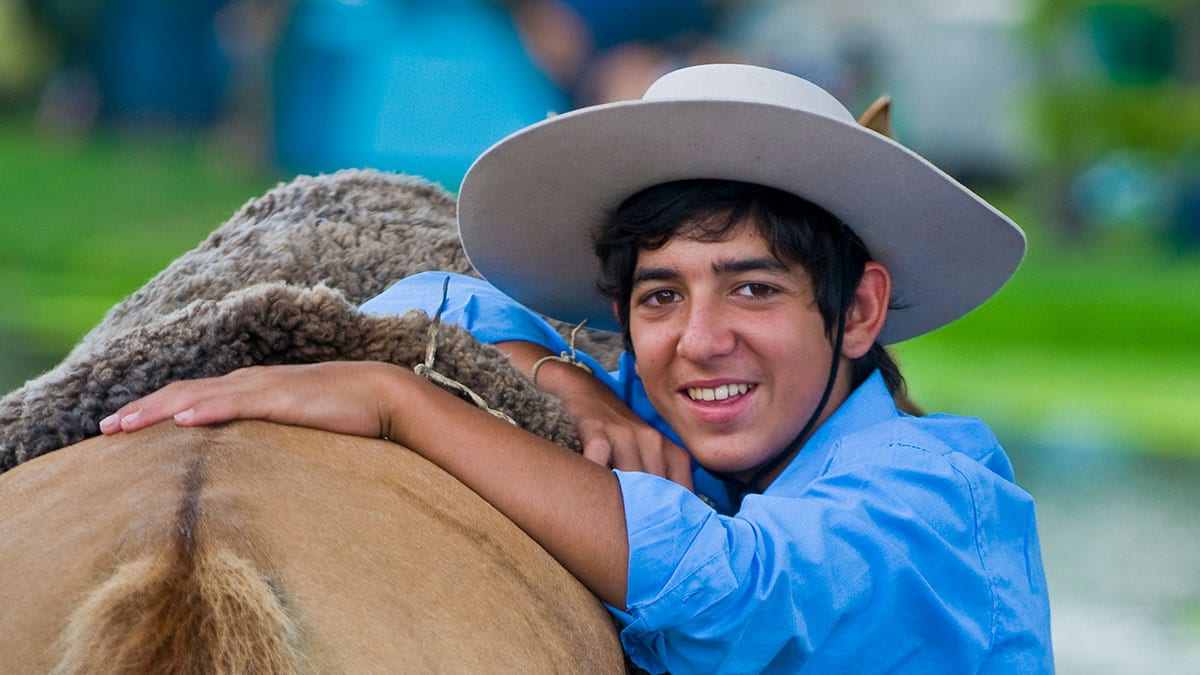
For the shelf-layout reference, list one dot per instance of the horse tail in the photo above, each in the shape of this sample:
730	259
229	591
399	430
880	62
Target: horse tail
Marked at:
212	612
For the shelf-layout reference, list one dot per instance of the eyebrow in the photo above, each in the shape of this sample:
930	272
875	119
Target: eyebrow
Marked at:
721	267
764	264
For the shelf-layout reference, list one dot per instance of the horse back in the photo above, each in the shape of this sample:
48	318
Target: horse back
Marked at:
259	547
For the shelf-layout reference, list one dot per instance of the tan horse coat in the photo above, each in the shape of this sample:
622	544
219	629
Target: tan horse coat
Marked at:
255	547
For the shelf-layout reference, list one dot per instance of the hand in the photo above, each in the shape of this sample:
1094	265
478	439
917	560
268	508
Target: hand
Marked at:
346	397
611	434
567	504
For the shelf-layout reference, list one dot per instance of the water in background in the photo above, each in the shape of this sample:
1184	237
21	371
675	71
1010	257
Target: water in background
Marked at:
1120	538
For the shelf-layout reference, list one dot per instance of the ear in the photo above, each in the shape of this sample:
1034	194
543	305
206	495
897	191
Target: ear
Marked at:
878	116
868	310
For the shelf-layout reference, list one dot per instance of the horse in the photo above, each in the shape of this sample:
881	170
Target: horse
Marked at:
258	547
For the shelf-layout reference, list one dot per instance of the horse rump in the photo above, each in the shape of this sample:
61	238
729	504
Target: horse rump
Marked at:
163	613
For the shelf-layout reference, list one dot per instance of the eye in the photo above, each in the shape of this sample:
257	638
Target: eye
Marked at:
660	298
755	290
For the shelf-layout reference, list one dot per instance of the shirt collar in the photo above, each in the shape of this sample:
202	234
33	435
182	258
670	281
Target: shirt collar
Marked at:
868	405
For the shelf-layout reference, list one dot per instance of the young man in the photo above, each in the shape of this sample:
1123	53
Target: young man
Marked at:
750	239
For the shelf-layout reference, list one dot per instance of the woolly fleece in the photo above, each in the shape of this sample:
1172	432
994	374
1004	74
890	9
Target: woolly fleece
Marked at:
280	282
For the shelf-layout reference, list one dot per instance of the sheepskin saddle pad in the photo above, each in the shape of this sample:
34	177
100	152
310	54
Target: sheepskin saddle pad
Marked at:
280	282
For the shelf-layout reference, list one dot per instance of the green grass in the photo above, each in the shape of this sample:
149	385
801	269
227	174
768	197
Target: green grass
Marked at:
1089	344
84	224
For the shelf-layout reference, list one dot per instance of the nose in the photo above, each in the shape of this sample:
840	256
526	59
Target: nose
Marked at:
707	333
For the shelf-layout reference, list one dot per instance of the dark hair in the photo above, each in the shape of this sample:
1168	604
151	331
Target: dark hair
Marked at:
796	230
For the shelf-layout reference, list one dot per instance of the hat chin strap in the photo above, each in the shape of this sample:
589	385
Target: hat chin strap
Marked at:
736	488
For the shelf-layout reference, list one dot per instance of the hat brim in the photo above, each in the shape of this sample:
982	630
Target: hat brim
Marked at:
529	205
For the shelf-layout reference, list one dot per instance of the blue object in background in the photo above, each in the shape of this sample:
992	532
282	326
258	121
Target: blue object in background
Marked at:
418	87
158	61
615	22
1184	232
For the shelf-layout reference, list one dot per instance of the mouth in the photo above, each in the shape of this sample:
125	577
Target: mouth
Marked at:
718	393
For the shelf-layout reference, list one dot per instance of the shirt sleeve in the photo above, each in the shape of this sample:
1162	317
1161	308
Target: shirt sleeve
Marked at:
491	316
479	307
867	569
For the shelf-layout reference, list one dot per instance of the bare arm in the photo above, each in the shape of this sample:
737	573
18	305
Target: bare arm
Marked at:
568	504
612	435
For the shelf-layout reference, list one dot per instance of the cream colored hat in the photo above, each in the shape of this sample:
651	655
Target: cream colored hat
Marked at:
528	206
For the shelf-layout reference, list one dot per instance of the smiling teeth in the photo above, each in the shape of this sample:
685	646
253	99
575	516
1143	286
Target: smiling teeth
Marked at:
717	393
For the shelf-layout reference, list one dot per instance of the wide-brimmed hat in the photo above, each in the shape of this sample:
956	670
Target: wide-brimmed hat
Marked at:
528	206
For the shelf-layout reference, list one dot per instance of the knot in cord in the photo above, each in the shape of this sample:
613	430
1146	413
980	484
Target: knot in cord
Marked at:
427	371
563	357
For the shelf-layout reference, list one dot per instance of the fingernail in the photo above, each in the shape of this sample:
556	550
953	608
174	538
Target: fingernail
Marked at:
183	416
108	423
131	418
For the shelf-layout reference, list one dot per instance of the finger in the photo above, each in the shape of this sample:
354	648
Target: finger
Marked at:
249	393
651	448
599	450
221	408
191	402
111	424
185	411
144	411
679	466
627	456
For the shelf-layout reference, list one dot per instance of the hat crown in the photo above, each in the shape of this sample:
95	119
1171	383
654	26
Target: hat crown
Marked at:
529	204
738	82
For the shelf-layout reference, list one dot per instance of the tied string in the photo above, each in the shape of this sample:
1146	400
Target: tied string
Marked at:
563	357
427	371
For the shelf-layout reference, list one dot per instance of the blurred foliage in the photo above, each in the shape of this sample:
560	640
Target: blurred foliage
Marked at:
1133	95
1087	348
25	55
1116	111
1085	120
1050	14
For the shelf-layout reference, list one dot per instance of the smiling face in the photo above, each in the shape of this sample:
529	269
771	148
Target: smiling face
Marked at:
731	347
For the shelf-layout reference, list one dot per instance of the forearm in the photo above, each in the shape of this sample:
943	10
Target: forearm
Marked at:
494	318
554	377
569	505
612	435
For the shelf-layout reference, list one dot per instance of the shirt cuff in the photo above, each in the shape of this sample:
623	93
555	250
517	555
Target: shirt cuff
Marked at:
679	554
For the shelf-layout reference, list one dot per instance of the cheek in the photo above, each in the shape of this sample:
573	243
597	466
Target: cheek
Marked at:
647	348
636	347
795	348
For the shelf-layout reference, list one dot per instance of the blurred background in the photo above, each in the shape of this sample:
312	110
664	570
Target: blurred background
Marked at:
129	129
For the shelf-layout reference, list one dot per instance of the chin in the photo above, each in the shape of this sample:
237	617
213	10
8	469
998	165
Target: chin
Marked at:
722	463
724	454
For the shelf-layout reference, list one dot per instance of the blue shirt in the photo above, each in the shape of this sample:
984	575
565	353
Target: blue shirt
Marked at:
890	543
